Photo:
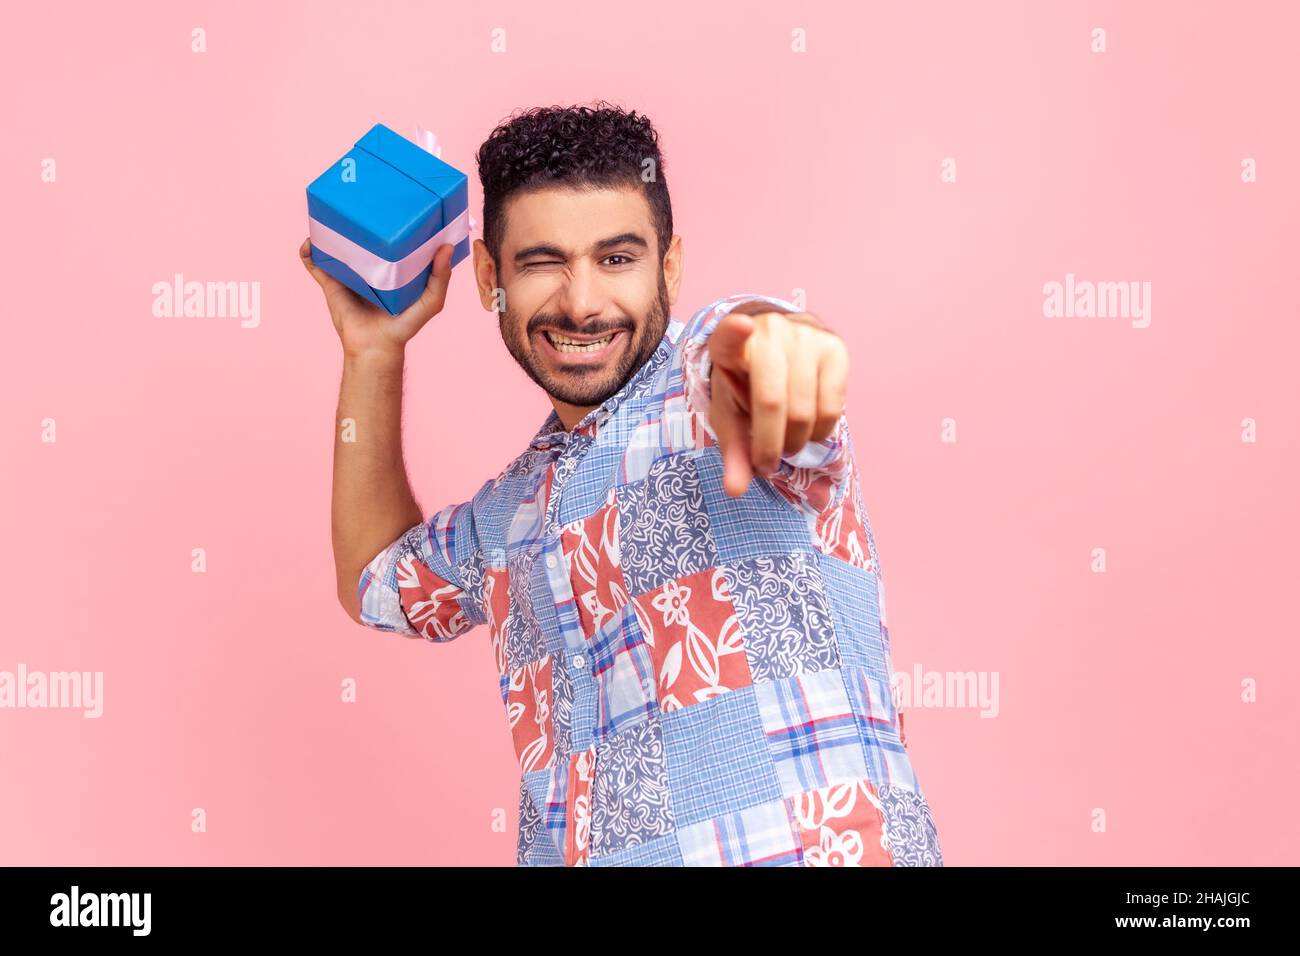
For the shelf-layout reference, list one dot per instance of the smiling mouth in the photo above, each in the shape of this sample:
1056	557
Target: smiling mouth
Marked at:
571	350
567	344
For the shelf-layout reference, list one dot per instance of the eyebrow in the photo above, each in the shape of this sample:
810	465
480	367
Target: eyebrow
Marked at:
546	249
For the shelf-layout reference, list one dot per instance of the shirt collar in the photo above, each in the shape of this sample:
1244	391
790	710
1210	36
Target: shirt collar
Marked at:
552	433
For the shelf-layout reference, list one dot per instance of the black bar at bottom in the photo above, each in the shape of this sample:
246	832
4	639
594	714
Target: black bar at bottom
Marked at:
613	906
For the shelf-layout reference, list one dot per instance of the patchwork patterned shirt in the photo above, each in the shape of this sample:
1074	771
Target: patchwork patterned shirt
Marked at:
689	678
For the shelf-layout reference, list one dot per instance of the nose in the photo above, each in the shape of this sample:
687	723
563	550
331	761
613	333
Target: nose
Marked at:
582	299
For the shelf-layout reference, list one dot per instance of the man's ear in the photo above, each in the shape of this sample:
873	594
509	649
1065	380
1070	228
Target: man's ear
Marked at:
485	277
672	267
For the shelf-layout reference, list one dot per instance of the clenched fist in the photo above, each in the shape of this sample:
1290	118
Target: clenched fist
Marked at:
778	381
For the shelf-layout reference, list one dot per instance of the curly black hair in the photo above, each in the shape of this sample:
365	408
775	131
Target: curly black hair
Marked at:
577	146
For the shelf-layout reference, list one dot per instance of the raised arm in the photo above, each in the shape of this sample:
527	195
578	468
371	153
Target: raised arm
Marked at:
372	503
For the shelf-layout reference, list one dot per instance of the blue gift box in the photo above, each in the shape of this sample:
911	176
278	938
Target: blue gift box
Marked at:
380	213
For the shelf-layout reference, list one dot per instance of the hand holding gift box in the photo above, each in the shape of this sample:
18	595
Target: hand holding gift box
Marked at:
379	214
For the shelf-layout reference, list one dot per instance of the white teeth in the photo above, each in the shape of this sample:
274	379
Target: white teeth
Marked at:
563	344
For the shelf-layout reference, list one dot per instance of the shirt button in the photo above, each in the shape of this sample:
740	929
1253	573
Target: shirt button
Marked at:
550	561
579	660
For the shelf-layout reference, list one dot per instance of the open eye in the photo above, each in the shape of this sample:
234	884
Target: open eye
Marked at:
619	255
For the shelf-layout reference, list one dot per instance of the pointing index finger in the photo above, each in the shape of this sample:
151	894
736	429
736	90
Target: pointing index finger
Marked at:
767	400
729	343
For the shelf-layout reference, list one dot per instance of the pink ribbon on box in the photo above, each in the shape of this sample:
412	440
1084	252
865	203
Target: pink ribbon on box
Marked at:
380	273
427	140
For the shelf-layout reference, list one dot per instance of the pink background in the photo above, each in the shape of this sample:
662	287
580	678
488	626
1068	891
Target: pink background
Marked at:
1119	691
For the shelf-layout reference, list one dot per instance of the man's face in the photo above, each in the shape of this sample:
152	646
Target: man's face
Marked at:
582	267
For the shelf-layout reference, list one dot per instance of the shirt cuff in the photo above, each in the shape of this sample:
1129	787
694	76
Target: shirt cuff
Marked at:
399	593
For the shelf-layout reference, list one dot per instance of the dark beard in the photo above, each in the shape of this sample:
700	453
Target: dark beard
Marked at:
595	388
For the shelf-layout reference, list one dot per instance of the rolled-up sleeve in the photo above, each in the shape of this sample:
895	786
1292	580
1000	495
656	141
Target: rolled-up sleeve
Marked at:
428	582
815	477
